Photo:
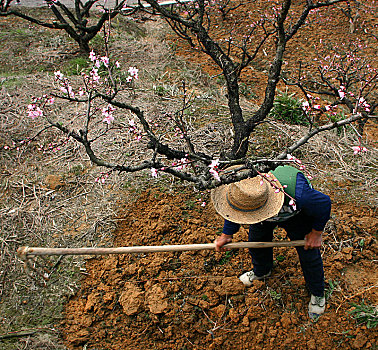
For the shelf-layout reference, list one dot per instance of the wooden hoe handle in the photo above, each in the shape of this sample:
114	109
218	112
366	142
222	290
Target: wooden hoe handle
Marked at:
25	252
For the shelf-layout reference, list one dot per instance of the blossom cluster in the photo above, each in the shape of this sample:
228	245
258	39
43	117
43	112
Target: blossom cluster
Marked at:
277	189
312	105
213	169
34	111
107	113
64	83
133	129
180	164
102	178
53	146
17	146
359	149
300	165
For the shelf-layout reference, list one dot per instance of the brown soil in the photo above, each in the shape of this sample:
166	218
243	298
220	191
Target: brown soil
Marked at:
194	300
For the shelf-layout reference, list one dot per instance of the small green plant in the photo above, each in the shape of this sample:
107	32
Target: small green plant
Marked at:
361	243
280	258
204	297
97	41
274	295
160	90
226	257
75	66
246	91
367	314
10	82
190	204
77	170
336	118
288	109
332	286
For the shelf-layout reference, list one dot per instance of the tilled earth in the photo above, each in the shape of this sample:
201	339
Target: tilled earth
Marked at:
194	300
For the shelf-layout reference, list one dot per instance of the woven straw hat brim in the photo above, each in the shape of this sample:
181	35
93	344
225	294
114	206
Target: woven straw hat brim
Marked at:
271	207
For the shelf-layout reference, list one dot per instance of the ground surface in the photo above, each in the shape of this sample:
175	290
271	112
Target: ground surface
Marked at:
190	300
194	299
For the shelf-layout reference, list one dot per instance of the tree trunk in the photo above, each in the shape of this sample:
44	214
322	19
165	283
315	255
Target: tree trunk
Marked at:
240	145
84	46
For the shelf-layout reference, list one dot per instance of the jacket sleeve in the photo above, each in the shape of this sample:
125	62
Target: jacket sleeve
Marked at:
229	227
313	203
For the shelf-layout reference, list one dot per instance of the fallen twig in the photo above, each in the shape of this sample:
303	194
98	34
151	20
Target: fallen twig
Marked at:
24	333
355	295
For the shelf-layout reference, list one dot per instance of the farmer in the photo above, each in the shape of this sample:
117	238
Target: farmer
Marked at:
301	211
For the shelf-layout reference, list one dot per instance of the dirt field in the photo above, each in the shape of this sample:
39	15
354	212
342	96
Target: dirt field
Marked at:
190	300
194	299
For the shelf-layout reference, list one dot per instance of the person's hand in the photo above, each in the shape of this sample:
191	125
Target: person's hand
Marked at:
313	240
221	241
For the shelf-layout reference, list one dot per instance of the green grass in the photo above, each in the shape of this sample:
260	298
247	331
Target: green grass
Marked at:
10	82
365	314
288	108
332	286
75	66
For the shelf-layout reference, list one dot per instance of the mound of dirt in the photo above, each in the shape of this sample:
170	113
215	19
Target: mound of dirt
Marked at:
186	300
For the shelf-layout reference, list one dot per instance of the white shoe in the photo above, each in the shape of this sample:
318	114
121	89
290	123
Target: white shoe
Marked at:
316	307
248	278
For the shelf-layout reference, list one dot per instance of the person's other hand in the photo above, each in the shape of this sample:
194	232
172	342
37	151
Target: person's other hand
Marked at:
313	240
221	241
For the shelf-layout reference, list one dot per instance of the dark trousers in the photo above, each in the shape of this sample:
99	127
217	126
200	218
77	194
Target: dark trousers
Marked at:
296	228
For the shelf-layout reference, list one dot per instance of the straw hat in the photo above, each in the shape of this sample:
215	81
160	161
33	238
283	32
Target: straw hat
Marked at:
248	201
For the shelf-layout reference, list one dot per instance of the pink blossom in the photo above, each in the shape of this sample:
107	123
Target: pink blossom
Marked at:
58	75
105	60
117	64
154	172
133	71
34	111
341	92
292	204
107	112
67	90
215	174
129	79
214	163
94	74
92	56
290	157
359	149
305	105
317	107
203	204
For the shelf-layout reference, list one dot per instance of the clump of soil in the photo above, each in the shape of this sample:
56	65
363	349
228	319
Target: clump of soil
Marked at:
186	300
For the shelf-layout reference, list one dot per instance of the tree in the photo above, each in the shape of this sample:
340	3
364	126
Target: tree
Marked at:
105	91
78	22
